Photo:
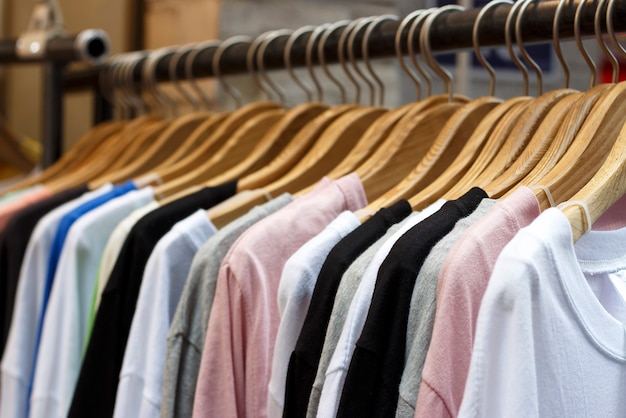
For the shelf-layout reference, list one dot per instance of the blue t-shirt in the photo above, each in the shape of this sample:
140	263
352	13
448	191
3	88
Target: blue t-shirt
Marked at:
55	253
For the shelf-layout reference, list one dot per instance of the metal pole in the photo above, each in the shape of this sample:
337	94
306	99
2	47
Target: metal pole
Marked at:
52	135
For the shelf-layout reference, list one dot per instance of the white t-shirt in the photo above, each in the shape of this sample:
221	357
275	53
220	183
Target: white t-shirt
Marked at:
141	377
66	320
550	338
296	287
340	361
17	361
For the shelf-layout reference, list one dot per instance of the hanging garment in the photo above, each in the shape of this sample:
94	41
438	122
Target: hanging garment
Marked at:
21	349
65	323
12	207
460	289
422	311
99	374
373	378
359	305
141	378
187	333
244	318
550	336
13	244
294	295
305	357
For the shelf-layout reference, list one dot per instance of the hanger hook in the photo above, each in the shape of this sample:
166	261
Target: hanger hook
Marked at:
150	78
509	44
476	43
365	51
342	46
320	55
427	52
597	28
135	91
522	48
251	60
189	61
364	23
271	37
398	46
109	81
416	25
556	41
579	43
178	56
134	97
287	58
217	58
611	30
310	47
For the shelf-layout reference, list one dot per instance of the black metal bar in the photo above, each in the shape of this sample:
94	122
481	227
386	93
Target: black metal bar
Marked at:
90	45
450	32
53	112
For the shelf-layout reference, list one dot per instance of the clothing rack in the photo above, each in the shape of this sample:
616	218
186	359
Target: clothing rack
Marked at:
450	32
90	45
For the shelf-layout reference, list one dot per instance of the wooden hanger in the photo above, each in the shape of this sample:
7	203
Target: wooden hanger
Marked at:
11	153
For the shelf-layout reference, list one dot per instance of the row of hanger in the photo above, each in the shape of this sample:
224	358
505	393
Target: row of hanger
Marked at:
569	146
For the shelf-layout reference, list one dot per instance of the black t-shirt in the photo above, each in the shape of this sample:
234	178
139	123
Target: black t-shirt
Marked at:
97	383
372	383
305	359
13	243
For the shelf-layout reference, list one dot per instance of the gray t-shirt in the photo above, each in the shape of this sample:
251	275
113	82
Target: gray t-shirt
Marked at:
185	339
422	312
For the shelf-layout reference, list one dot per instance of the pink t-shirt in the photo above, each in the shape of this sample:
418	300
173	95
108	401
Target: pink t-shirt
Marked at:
11	208
237	355
462	283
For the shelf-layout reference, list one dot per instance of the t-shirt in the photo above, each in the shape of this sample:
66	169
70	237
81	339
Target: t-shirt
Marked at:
294	295
236	360
550	338
422	312
373	378
186	335
65	324
109	257
140	387
305	358
19	352
14	206
98	379
355	318
462	282
13	243
346	290
57	247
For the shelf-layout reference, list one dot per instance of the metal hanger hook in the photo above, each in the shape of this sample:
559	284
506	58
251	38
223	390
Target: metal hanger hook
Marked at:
343	50
522	48
320	56
251	61
287	58
217	60
365	52
476	43
310	47
581	47
271	37
415	26
150	79
426	50
189	62
181	53
597	28
400	56
556	42
509	44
